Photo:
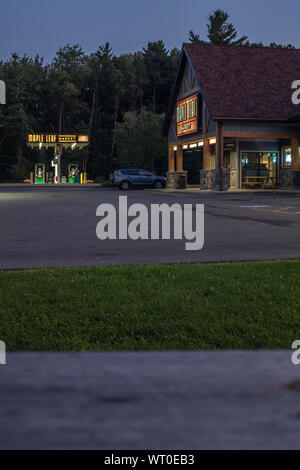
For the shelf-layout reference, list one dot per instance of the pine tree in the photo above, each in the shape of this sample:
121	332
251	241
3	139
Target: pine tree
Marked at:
219	30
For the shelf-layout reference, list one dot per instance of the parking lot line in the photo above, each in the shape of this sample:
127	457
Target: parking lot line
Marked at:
281	210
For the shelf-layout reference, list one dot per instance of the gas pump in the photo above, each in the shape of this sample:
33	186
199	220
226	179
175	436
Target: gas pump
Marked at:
73	173
39	173
56	163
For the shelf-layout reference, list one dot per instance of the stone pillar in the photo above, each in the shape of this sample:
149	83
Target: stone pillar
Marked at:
205	174
206	155
220	176
179	166
219	145
180	181
295	144
286	177
205	179
220	179
171	160
171	172
171	180
295	153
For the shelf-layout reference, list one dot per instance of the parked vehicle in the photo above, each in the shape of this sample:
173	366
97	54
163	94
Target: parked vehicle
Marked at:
127	178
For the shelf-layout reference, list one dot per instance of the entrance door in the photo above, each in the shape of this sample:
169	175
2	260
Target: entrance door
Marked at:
226	159
259	169
193	163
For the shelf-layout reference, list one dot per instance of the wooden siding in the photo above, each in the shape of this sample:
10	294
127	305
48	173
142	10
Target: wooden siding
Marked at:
238	126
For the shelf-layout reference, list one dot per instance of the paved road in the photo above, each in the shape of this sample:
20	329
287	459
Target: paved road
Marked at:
171	400
52	226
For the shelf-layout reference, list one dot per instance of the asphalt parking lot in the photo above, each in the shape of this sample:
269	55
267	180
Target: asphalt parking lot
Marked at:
56	226
52	226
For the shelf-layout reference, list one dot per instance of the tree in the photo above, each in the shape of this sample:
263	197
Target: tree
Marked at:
160	73
66	79
106	107
195	38
141	143
219	31
24	78
84	94
281	46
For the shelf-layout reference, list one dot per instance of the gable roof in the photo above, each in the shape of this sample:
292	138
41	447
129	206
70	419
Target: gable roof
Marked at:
240	82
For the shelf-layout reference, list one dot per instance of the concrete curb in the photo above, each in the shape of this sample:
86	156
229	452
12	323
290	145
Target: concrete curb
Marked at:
225	193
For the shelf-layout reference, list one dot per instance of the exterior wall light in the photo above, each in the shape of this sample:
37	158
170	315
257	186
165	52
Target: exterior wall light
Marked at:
212	141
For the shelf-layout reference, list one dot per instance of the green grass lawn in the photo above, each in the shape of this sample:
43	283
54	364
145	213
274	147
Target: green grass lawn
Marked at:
195	306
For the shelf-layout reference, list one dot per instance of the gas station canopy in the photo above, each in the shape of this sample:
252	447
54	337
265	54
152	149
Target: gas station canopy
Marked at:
52	140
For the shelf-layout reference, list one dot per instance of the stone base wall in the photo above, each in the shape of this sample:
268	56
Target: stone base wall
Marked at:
296	179
286	178
177	180
180	180
205	179
170	180
220	179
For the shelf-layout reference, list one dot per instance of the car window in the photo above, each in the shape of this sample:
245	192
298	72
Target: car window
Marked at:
130	172
144	173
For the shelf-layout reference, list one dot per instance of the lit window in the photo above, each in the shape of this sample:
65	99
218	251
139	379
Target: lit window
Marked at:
181	113
287	156
192	109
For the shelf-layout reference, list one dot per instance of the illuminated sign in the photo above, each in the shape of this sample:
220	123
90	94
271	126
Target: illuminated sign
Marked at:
83	138
53	139
187	116
65	139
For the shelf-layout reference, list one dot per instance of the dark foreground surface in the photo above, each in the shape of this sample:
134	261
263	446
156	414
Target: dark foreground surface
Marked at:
172	400
56	226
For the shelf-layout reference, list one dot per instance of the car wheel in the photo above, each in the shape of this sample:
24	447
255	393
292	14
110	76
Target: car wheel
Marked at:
158	184
124	185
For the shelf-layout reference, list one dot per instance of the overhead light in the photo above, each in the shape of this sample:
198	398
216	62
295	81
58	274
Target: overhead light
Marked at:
192	146
185	146
201	143
212	141
40	145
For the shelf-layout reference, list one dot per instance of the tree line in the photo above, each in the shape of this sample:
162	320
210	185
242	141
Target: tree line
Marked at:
120	101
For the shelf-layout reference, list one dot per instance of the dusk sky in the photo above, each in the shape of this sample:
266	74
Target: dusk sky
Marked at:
42	26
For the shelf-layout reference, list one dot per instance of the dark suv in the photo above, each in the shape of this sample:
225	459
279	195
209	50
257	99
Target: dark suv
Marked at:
126	178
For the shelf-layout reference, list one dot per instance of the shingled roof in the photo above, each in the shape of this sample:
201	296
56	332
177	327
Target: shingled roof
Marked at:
241	82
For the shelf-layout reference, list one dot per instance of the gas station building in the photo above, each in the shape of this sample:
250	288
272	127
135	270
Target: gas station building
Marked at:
232	123
59	142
